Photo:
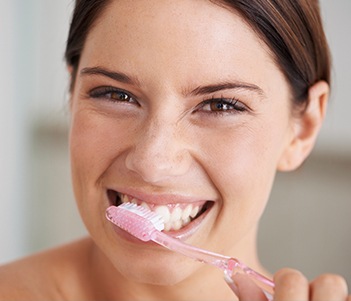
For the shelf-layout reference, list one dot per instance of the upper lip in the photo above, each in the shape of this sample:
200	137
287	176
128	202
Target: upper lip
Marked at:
161	198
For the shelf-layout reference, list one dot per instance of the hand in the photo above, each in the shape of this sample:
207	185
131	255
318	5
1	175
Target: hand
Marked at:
292	285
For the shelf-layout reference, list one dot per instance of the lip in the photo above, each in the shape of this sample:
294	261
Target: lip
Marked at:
160	199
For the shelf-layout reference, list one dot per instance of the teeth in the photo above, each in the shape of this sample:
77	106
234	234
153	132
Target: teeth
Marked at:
177	225
168	226
164	212
174	216
195	211
143	204
186	221
124	198
187	211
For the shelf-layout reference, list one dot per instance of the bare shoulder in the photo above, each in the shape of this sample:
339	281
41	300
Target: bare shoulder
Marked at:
44	276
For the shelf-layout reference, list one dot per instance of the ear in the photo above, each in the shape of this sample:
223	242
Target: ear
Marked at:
305	128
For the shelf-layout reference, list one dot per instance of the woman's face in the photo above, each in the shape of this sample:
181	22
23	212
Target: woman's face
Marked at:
178	105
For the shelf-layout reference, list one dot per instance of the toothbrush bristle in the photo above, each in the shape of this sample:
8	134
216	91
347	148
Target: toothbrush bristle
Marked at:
137	220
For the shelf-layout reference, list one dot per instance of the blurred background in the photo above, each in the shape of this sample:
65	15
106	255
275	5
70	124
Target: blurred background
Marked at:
307	224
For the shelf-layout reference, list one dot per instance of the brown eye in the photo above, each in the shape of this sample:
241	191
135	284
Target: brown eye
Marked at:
221	105
121	96
112	94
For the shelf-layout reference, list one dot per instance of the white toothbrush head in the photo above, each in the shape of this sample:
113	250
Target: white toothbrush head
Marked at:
137	220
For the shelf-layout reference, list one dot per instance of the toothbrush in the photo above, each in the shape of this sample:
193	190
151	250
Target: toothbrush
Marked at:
147	225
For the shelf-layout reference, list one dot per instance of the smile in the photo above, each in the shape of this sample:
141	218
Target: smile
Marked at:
175	215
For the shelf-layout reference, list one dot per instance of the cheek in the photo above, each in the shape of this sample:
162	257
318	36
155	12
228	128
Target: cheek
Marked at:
244	169
95	142
244	176
241	161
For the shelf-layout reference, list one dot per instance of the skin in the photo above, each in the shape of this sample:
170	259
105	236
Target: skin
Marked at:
165	136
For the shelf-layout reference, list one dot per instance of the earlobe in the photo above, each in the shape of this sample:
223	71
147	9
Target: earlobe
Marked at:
69	69
305	128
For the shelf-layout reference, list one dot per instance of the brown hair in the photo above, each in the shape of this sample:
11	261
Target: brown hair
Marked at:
84	16
292	29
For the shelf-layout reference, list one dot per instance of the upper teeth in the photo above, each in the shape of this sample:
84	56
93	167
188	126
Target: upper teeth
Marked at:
175	216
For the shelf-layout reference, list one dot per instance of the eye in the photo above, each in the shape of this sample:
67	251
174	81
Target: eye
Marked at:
112	94
222	105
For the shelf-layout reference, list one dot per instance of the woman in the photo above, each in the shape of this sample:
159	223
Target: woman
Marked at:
187	107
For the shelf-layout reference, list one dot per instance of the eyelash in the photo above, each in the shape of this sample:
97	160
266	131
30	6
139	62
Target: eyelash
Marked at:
234	106
225	105
106	93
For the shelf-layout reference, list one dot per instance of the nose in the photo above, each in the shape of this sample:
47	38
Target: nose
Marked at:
159	152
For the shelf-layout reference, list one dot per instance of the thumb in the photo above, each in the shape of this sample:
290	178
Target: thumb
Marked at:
246	289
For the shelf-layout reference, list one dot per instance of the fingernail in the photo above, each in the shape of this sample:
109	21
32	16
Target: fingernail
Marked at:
231	284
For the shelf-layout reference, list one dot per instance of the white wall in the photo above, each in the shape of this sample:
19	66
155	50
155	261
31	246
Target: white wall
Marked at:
37	204
12	139
336	134
308	210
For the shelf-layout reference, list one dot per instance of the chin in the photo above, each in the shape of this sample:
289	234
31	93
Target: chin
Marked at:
163	270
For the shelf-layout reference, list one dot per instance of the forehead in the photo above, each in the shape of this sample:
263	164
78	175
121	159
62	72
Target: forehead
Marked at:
176	38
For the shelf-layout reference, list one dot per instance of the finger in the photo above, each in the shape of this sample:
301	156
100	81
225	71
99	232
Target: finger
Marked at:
290	285
247	290
329	287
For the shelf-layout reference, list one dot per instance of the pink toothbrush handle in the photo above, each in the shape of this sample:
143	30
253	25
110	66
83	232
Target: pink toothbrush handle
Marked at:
235	267
230	266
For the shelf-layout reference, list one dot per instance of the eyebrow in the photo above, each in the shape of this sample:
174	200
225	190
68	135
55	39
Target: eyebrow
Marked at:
230	85
200	90
117	76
